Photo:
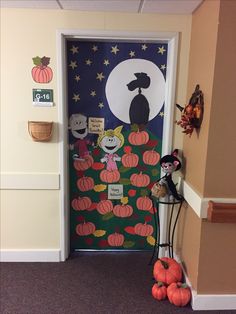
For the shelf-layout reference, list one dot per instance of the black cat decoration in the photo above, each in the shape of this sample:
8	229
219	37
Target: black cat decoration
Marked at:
139	107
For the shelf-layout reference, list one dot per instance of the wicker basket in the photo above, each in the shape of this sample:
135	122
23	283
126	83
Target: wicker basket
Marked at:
40	131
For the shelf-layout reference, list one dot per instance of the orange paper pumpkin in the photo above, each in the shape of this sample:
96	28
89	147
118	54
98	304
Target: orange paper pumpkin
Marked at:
144	203
140	179
85	184
82	203
85	228
82	165
123	210
151	157
143	230
129	159
138	138
110	176
116	239
41	72
104	207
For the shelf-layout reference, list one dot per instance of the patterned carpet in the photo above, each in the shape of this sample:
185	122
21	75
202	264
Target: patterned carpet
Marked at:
88	283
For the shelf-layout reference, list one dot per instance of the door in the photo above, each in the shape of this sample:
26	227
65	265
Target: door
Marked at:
116	95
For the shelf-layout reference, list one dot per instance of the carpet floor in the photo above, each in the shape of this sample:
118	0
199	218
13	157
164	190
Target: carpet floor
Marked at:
116	283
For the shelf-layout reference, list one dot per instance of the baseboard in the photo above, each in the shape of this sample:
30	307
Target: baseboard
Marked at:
209	302
30	255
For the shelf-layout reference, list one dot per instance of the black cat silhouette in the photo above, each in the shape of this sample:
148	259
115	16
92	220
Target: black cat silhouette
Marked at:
139	107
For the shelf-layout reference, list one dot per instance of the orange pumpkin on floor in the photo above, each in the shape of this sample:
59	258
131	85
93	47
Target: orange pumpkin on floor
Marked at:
159	291
110	176
167	270
85	228
104	207
116	239
81	203
179	293
123	210
82	165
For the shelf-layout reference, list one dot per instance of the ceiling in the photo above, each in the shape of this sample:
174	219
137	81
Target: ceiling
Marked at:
131	6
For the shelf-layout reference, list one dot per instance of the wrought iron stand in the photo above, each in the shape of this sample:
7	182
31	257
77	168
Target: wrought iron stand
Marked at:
171	228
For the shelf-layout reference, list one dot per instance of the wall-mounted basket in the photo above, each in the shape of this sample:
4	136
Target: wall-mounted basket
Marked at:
40	131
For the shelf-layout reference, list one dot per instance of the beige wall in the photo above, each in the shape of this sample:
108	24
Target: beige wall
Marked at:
207	248
30	219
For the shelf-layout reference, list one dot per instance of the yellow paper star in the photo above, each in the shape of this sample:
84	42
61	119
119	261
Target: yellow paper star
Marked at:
93	93
132	53
88	62
101	105
114	49
161	114
100	76
76	97
161	50
106	62
73	64
95	48
74	49
77	78
163	67
144	47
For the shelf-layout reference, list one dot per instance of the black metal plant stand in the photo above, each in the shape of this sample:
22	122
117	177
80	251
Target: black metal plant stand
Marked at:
171	227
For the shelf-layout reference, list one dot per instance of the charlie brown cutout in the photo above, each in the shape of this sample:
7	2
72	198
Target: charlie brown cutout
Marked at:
110	141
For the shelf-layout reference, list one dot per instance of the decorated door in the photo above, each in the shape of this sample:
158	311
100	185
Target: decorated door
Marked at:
116	93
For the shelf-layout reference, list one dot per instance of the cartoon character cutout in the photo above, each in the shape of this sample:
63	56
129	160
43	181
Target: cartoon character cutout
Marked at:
79	129
110	141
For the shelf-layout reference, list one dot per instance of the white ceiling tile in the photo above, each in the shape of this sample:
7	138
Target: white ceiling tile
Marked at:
170	6
105	5
33	4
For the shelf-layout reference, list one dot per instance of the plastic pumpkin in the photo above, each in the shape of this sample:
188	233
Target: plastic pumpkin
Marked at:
85	228
159	291
104	207
179	293
116	239
82	203
85	184
110	176
167	270
144	203
138	138
151	157
140	179
82	165
143	230
123	210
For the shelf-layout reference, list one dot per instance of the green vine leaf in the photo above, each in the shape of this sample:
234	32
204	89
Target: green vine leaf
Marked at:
134	128
108	216
128	244
124	181
155	172
144	192
37	60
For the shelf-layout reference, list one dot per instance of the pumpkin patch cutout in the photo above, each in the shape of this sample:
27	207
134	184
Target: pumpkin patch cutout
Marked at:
139	180
179	294
82	165
151	157
41	72
123	210
85	229
138	138
144	203
129	159
116	239
85	184
81	203
167	270
104	207
110	176
144	230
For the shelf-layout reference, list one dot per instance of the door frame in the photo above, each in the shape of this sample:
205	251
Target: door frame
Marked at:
171	38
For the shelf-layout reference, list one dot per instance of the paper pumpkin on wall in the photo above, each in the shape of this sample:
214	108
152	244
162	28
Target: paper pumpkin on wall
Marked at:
41	72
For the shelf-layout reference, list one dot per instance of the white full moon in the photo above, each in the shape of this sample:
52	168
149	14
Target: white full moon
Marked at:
119	97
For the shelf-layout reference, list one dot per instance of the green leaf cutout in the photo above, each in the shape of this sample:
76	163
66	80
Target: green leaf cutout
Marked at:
155	172
124	181
123	169
144	192
37	60
134	128
128	244
108	216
